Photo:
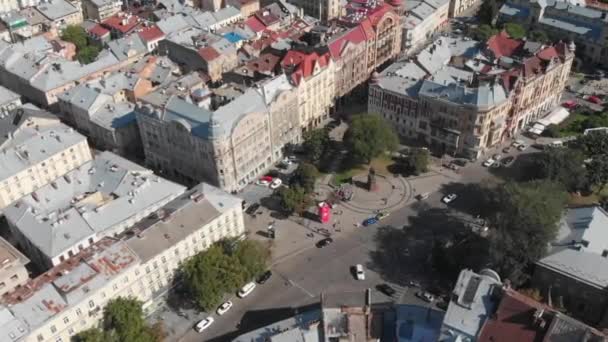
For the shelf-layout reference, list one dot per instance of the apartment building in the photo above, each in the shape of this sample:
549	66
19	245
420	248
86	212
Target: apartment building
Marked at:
247	7
324	10
9	100
463	98
421	21
139	263
585	23
463	7
100	198
35	149
7	6
12	267
60	14
314	76
100	10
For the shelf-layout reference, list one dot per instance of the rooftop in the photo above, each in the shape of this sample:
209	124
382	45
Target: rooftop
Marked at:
90	200
417	323
122	22
7	96
10	256
588	268
303	327
585	228
56	9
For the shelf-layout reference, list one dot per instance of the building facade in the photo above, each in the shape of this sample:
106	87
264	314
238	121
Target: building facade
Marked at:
463	7
36	149
12	267
100	10
323	10
421	21
138	264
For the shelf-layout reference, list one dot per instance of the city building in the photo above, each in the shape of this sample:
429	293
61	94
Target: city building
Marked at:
100	198
12	268
247	7
100	10
60	13
9	100
584	22
324	10
473	301
463	98
36	149
314	76
7	6
151	35
138	263
422	20
463	7
575	273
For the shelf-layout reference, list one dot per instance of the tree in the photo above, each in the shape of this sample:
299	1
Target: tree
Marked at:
597	171
515	31
525	224
294	198
157	332
123	318
484	32
539	36
87	54
210	274
562	165
315	142
368	136
306	176
76	35
92	335
552	131
253	256
487	12
592	144
417	161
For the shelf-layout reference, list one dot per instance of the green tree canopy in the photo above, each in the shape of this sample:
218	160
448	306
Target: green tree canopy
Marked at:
315	142
488	11
597	171
525	224
76	35
515	31
294	199
305	176
592	144
88	54
368	136
562	165
210	274
123	318
93	335
253	256
539	36
417	161
484	32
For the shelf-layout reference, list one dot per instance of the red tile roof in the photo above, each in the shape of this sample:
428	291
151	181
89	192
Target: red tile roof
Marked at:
304	63
354	36
255	24
547	54
151	33
503	45
208	53
99	31
514	320
532	66
121	22
266	17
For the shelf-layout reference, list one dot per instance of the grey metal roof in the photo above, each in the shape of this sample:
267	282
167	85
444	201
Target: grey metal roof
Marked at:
572	25
296	328
273	87
114	115
204	19
173	24
483	96
88	201
34	311
56	9
127	47
437	3
588	224
589	268
417	323
11	328
7	96
514	10
402	78
226	13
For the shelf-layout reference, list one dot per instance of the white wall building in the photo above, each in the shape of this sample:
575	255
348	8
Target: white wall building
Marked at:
422	20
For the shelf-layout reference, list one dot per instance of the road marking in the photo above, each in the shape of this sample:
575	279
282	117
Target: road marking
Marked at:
293	283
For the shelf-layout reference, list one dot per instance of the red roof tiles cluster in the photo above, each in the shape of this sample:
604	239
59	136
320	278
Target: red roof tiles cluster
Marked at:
151	33
123	23
208	53
503	45
255	24
99	31
303	63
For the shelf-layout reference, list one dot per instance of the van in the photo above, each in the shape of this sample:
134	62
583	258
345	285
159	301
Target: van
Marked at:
557	143
246	290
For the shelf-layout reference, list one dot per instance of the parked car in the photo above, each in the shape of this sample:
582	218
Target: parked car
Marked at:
262	182
264	277
382	215
427	297
204	324
246	290
496	157
370	221
594	99
460	162
522	147
266	178
449	198
325	242
506	149
517	143
276	183
359	272
570	104
488	162
386	289
222	309
252	208
413	283
507	161
452	166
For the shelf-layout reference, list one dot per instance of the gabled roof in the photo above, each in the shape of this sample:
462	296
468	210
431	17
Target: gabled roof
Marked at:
255	24
353	36
122	23
303	63
99	31
208	53
151	33
502	45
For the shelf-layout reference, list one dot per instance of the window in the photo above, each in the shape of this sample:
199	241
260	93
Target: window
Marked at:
78	312
53	329
2	284
71	331
66	320
40	337
91	304
605	253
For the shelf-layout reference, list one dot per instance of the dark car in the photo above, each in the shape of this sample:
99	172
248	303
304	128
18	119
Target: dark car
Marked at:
264	277
386	289
507	161
252	208
324	242
460	162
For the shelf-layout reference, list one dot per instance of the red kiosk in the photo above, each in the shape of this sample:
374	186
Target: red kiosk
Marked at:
324	212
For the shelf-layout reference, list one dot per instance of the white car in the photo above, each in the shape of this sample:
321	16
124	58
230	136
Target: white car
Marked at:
204	324
496	157
276	183
522	147
287	161
517	143
427	297
360	273
224	308
488	162
262	182
246	290
449	198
